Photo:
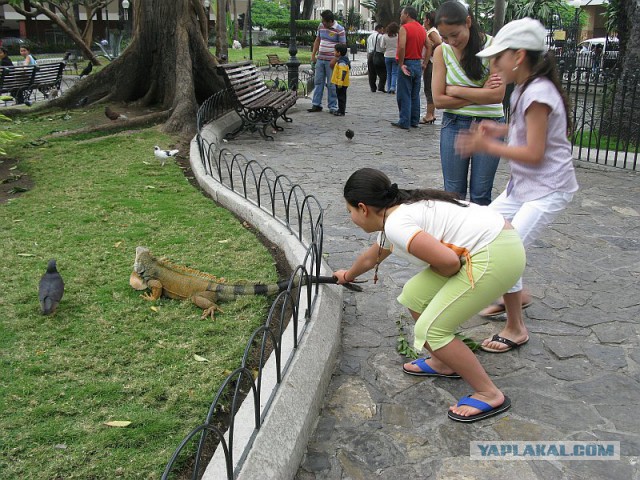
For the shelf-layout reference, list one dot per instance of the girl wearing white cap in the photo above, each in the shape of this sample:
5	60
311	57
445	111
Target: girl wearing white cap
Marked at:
543	179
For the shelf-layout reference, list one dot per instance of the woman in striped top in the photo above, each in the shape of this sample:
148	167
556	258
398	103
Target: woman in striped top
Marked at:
464	87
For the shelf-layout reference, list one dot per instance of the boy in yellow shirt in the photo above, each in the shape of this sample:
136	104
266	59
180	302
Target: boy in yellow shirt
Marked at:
340	78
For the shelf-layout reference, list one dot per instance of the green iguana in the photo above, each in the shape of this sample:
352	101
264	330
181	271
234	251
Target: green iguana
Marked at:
203	289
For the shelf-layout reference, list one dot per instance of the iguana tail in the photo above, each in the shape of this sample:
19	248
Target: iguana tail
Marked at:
229	292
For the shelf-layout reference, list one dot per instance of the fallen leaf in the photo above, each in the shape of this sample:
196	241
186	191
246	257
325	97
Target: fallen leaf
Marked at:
117	244
198	358
26	255
60	446
118	423
155	309
146	163
150	187
223	241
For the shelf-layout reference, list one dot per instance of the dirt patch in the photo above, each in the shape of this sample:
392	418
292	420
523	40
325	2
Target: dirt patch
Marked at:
13	182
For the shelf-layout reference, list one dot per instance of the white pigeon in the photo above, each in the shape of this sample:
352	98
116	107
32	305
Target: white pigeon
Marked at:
164	154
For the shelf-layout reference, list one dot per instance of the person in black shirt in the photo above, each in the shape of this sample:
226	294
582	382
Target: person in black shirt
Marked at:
5	61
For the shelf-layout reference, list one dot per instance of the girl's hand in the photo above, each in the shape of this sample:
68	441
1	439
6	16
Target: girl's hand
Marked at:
494	81
342	277
490	128
470	141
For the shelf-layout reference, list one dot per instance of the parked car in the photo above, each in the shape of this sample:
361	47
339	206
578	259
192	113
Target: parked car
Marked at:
10	41
598	53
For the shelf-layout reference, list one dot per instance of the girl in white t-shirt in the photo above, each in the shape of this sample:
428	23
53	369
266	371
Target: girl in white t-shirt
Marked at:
543	179
469	255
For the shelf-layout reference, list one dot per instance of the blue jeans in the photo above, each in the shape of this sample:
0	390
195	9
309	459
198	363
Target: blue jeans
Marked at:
455	169
322	78
392	73
408	94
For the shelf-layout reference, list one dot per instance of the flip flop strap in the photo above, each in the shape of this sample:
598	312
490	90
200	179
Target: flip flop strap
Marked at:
423	365
475	403
505	341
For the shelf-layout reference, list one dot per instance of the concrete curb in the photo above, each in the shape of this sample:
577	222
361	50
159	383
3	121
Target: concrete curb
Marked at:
280	443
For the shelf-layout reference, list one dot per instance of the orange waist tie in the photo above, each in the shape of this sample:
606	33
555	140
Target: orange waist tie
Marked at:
463	252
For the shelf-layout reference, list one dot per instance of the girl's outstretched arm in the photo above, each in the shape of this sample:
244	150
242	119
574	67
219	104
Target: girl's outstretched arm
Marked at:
536	119
365	262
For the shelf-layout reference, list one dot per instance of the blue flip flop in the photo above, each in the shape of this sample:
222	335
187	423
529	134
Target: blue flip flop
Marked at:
426	370
486	410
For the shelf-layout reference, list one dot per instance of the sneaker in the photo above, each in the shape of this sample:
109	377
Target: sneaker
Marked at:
315	108
333	112
397	125
338	114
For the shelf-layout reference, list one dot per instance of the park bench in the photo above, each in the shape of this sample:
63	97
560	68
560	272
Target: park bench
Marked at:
257	105
22	81
17	81
274	61
48	77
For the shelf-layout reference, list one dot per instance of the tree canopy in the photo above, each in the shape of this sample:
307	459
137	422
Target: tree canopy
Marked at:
264	12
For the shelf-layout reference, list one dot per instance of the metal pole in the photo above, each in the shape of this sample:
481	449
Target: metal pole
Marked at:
250	32
294	63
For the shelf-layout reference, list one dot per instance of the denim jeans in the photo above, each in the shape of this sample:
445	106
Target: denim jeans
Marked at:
392	73
408	94
455	169
322	78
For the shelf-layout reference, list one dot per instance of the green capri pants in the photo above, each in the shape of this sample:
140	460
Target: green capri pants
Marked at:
444	303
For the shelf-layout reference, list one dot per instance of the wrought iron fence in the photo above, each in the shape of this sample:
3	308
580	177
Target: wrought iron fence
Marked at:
302	215
605	116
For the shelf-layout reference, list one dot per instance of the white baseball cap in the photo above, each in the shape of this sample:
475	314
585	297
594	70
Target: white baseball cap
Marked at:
525	33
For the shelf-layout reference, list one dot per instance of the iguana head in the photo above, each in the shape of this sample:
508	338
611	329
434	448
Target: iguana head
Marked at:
142	261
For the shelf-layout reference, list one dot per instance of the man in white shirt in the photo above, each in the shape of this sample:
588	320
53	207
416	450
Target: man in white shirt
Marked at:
376	67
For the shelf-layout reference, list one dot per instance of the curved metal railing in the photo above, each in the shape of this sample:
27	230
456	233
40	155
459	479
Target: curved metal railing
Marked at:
302	216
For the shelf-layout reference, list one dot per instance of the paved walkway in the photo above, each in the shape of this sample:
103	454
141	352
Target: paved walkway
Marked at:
577	379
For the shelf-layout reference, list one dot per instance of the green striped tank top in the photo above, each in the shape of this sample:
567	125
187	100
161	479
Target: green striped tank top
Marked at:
457	76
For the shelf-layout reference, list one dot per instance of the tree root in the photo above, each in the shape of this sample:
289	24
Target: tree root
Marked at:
142	121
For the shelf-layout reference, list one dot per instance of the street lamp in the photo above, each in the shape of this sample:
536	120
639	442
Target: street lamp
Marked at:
125	9
293	64
576	21
248	19
207	4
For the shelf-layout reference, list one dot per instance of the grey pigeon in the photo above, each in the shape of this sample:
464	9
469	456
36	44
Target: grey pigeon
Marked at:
51	289
164	154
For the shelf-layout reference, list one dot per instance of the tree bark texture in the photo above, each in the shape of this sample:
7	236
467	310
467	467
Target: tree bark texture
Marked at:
388	11
622	117
167	64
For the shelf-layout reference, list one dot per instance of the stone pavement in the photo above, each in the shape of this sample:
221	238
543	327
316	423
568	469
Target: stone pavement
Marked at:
577	379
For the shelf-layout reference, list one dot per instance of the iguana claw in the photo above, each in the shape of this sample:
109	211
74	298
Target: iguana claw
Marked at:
211	312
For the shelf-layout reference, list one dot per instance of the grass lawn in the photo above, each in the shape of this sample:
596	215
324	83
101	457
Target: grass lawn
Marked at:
260	54
593	139
107	354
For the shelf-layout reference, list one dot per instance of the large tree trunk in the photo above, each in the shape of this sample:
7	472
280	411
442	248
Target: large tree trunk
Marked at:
622	117
307	9
167	63
388	11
